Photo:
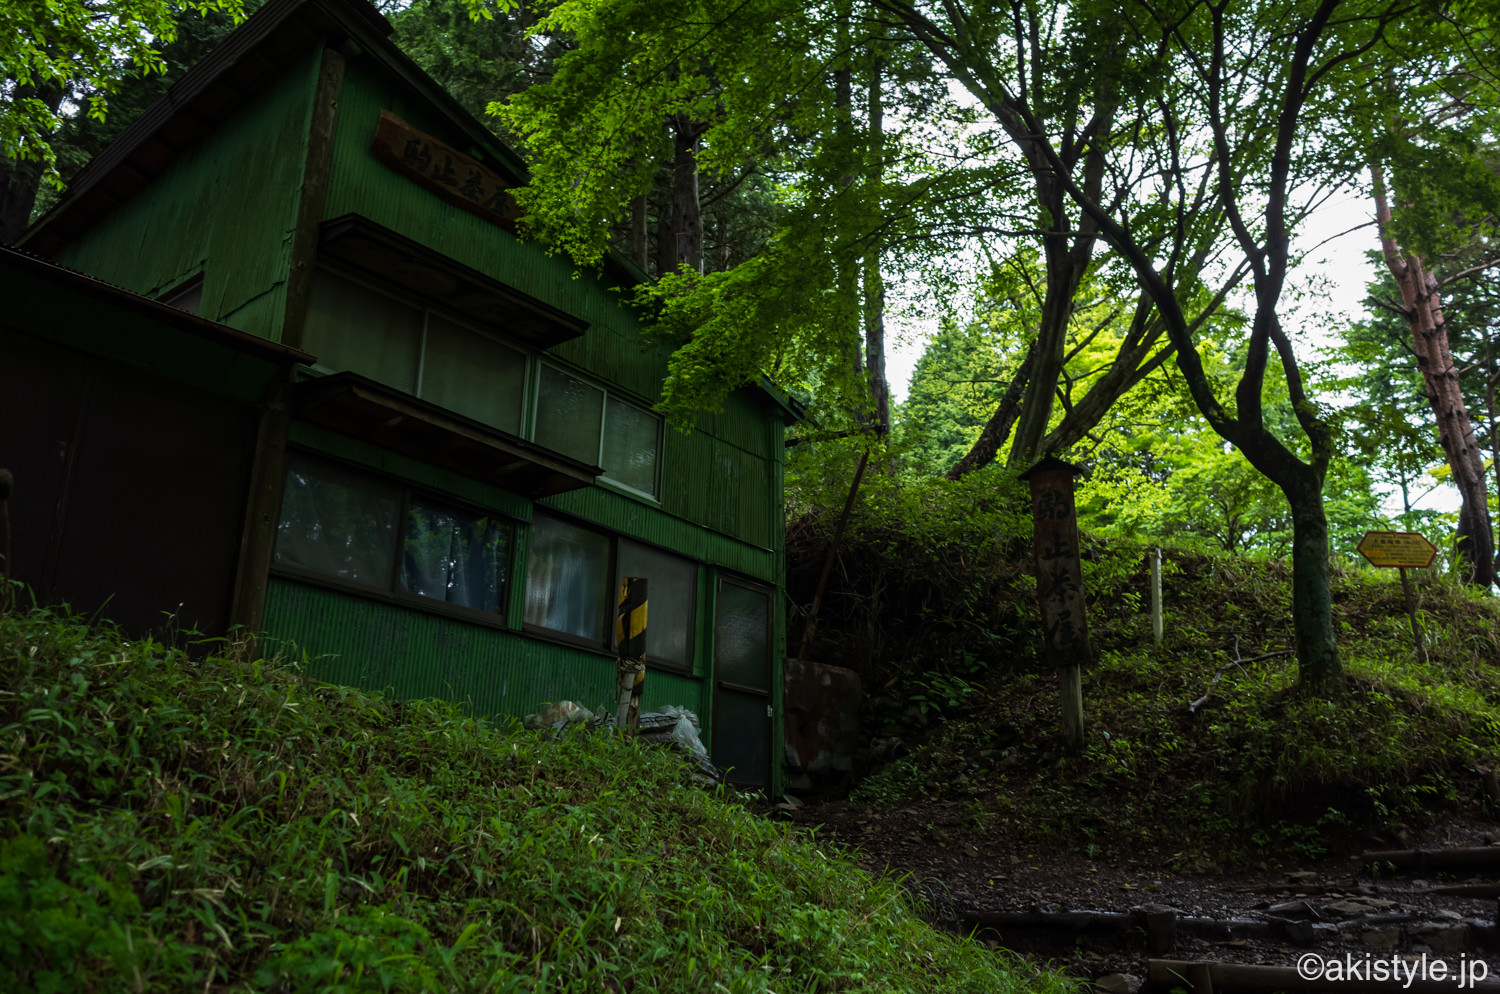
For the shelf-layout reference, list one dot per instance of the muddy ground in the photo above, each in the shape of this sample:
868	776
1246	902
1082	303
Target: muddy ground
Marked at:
1332	906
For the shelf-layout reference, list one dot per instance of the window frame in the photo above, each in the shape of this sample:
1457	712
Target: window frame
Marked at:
189	289
391	592
611	602
531	381
609	393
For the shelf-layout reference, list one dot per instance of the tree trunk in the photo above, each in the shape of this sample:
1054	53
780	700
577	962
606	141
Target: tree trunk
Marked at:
997	429
1424	313
687	212
20	180
1318	665
874	281
640	231
1064	272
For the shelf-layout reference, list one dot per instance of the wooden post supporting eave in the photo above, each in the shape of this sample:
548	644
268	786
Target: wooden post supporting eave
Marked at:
262	509
313	197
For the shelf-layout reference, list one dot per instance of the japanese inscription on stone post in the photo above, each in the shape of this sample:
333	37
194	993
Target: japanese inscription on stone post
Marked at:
1059	586
1059	573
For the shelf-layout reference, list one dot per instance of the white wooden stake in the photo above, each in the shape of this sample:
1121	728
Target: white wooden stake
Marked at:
1156	619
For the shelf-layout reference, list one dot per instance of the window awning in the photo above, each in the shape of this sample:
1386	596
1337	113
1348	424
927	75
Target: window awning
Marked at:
396	260
361	408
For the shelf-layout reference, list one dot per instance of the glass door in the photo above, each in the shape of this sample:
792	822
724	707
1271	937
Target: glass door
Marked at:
742	683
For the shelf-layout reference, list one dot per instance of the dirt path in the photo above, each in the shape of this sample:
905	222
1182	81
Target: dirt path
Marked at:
1286	909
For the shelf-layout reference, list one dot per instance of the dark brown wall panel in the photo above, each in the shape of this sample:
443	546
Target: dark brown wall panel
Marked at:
41	387
155	503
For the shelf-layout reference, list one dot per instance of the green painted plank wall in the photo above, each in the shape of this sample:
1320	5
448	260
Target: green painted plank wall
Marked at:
226	206
349	640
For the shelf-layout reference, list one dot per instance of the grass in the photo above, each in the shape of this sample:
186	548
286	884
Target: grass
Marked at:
170	823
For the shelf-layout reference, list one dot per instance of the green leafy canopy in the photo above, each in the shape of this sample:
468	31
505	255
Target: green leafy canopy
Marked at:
77	49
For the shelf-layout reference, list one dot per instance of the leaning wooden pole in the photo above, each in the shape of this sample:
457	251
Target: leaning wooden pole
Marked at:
630	646
811	628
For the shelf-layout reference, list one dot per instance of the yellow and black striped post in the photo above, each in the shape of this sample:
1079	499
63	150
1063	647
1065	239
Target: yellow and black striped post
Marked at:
630	644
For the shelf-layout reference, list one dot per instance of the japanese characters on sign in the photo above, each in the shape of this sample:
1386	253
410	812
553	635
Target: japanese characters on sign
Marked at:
1059	573
455	177
1397	549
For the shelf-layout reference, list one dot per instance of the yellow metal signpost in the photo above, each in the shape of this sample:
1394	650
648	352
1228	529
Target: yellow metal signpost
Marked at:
1403	551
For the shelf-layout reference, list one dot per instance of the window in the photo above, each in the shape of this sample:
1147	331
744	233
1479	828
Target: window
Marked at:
569	413
573	580
632	437
348	526
356	327
567	577
584	421
353	327
186	296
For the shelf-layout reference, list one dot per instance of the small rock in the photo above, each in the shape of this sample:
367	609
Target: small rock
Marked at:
1447	915
1118	983
1347	909
1444	938
1302	876
1294	909
1384	938
1300	932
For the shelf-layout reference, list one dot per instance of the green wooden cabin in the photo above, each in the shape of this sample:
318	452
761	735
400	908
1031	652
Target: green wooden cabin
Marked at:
447	456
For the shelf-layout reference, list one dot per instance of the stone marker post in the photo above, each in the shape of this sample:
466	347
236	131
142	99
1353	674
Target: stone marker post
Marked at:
1059	586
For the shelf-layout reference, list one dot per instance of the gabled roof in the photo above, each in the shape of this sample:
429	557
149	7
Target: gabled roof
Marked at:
267	44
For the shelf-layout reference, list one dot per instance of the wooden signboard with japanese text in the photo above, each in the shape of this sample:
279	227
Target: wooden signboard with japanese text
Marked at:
461	180
1403	551
1397	549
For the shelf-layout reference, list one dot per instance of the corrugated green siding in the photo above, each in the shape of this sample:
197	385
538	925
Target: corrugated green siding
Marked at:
227	205
718	475
629	517
412	654
362	185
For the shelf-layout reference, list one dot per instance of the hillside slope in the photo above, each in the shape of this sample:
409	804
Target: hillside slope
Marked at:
170	823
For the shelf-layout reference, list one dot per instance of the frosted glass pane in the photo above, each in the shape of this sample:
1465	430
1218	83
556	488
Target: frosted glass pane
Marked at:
455	556
337	522
353	328
672	586
742	636
568	415
742	741
630	442
473	375
567	579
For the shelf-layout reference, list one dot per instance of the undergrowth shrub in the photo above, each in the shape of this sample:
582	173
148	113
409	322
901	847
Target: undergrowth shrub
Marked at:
170	823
